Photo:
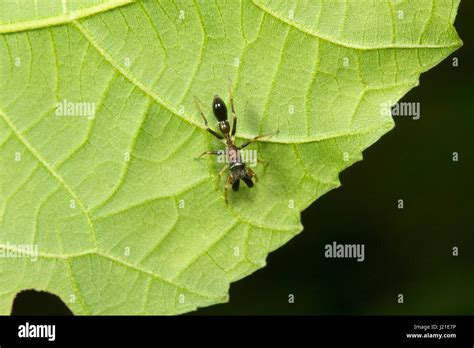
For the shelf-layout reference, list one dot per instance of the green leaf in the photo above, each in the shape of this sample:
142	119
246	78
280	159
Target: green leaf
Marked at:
126	221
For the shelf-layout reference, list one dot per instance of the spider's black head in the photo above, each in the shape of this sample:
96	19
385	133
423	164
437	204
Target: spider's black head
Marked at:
219	109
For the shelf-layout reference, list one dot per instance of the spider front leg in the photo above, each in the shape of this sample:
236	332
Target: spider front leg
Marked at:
234	116
198	106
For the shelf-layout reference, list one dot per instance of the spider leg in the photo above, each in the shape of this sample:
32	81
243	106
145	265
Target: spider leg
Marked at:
252	174
254	139
234	116
226	187
198	106
218	178
214	152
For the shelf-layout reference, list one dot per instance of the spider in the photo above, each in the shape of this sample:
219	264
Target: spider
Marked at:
237	167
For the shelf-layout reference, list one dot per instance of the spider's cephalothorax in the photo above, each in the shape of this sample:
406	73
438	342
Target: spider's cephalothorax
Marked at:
237	168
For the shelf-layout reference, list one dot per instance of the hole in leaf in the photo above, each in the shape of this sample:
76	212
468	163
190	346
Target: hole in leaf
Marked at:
31	302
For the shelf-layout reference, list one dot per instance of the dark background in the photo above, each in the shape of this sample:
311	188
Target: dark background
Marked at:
408	251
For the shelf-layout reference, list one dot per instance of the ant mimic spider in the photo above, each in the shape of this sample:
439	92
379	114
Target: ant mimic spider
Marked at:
237	167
